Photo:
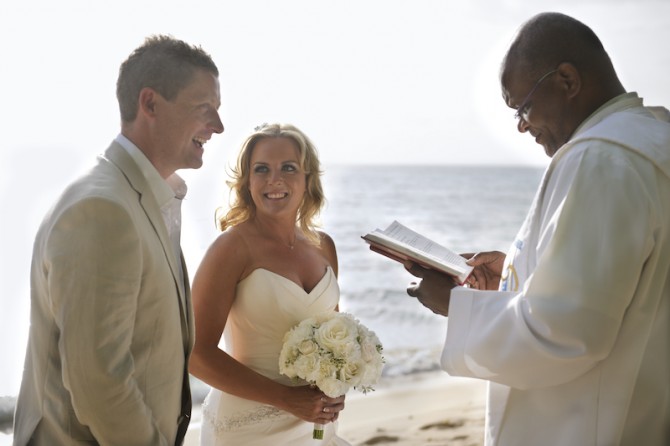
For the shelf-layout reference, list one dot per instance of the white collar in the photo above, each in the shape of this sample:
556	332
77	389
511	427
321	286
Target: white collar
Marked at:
164	189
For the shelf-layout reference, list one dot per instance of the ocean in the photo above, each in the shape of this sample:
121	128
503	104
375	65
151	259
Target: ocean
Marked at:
465	208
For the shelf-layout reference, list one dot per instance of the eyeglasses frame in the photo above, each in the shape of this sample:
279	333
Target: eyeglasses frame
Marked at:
521	110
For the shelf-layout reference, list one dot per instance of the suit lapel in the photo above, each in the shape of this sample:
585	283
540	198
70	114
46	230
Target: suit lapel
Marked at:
122	159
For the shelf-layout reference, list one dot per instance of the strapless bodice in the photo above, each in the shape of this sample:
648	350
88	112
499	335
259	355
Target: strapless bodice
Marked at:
266	306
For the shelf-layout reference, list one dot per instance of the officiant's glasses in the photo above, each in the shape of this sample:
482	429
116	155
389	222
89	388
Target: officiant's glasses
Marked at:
522	111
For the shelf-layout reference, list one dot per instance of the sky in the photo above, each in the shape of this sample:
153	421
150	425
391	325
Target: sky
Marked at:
371	82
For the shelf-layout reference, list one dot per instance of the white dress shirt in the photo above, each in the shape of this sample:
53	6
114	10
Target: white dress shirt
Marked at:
169	194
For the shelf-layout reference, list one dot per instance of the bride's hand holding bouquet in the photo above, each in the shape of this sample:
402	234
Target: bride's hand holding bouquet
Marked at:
334	352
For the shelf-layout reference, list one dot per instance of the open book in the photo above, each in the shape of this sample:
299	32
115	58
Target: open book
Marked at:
400	243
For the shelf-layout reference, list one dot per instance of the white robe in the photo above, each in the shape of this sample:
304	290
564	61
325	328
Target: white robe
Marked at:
576	345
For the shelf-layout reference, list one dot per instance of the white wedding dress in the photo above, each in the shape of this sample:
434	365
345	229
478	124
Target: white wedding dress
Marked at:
267	305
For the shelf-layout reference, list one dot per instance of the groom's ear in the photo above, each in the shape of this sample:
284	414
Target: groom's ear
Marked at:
147	102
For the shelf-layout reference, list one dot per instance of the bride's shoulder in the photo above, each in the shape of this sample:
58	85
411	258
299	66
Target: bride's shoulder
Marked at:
326	241
328	250
231	242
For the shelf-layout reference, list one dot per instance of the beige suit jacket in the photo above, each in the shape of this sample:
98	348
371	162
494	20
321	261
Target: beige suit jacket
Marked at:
111	324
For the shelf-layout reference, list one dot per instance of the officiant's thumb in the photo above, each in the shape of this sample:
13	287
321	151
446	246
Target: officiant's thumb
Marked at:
413	289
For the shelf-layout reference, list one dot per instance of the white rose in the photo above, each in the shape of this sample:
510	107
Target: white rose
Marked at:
302	331
307	347
351	372
287	357
337	335
288	369
333	387
371	373
327	368
305	366
369	351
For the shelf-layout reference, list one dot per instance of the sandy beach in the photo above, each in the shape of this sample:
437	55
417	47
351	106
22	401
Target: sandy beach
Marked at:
428	408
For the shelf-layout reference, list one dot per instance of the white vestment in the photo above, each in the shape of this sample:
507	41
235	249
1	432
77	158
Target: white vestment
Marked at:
576	345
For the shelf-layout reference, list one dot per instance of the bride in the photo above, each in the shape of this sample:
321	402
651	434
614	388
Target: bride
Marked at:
266	272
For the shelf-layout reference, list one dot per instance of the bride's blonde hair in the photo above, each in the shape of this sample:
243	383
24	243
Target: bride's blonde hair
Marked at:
242	207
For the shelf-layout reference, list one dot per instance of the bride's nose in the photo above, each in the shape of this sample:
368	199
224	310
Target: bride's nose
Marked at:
276	177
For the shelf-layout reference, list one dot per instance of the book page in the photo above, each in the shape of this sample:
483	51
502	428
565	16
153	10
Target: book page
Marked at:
405	235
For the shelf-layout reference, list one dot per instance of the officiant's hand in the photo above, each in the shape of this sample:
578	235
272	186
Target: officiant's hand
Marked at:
310	404
434	289
488	269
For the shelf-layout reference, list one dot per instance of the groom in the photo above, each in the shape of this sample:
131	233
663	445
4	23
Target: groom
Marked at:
111	323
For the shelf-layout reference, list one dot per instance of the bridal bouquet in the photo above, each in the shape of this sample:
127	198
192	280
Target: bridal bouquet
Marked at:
333	351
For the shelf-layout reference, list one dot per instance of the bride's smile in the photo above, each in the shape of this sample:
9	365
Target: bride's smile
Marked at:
277	182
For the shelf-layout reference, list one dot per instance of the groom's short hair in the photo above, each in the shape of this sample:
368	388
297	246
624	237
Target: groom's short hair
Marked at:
162	63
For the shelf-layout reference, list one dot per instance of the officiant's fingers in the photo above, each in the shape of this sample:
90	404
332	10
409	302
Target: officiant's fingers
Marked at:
413	289
414	269
472	281
486	257
477	259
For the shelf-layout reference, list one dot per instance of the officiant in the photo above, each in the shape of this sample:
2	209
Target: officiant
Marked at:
572	327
